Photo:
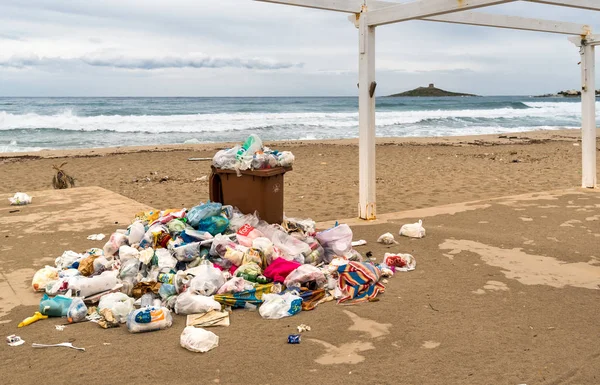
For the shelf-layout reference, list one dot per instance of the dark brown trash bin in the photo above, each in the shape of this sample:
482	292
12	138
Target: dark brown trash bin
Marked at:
254	190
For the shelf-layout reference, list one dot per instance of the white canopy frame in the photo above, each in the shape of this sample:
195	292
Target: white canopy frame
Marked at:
368	14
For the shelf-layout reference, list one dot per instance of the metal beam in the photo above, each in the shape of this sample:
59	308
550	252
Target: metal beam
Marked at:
425	8
512	22
348	6
590	5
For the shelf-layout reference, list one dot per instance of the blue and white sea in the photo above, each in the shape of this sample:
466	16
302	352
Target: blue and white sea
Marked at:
32	124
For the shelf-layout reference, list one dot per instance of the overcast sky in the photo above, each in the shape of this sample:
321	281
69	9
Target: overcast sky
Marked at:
247	48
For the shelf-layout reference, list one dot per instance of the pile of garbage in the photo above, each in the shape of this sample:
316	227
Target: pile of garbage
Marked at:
205	261
252	155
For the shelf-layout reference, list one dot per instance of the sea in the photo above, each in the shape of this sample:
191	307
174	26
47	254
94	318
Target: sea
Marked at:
33	124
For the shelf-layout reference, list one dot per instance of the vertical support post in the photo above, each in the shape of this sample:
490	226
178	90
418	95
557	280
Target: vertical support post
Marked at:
588	116
366	118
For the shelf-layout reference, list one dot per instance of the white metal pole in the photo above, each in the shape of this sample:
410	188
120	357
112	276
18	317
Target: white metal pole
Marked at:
588	117
366	118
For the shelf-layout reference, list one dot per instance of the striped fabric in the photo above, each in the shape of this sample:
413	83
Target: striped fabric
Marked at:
359	281
239	300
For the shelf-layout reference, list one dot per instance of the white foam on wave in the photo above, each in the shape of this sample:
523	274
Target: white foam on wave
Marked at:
224	122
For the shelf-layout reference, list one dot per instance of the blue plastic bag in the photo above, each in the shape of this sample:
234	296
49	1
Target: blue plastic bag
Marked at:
55	307
214	225
198	213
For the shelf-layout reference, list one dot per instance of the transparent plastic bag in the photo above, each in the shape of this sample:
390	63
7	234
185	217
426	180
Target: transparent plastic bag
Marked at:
198	340
303	274
277	306
43	276
413	230
207	281
119	304
336	241
77	311
190	303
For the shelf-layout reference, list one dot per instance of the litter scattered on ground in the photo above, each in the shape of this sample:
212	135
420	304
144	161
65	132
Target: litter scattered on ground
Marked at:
29	320
387	239
198	340
14	340
20	199
413	230
208	260
96	237
212	318
60	328
294	339
63	344
303	328
360	242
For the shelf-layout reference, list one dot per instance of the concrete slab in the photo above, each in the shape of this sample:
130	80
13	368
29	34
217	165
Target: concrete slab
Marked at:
56	220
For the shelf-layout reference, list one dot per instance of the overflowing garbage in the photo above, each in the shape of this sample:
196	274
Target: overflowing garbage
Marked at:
206	261
252	155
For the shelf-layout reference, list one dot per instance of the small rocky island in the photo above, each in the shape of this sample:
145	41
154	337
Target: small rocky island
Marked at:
430	91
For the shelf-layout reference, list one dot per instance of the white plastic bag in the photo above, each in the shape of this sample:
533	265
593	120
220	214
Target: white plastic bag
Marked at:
93	285
387	239
413	230
136	232
277	306
119	304
189	303
401	262
198	339
42	277
20	199
207	281
115	241
165	260
336	241
149	319
67	259
128	252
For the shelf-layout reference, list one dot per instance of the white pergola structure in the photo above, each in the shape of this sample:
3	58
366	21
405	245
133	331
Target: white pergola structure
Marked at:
368	14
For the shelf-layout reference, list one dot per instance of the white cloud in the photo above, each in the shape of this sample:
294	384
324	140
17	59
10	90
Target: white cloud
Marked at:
311	51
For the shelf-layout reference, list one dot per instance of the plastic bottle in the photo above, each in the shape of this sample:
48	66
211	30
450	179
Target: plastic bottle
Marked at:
250	146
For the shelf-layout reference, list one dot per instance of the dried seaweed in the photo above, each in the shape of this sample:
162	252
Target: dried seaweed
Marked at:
62	180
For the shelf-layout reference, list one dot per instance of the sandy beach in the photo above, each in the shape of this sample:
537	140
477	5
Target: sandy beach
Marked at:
504	292
411	172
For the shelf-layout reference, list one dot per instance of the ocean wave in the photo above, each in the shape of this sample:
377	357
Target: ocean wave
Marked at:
241	121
